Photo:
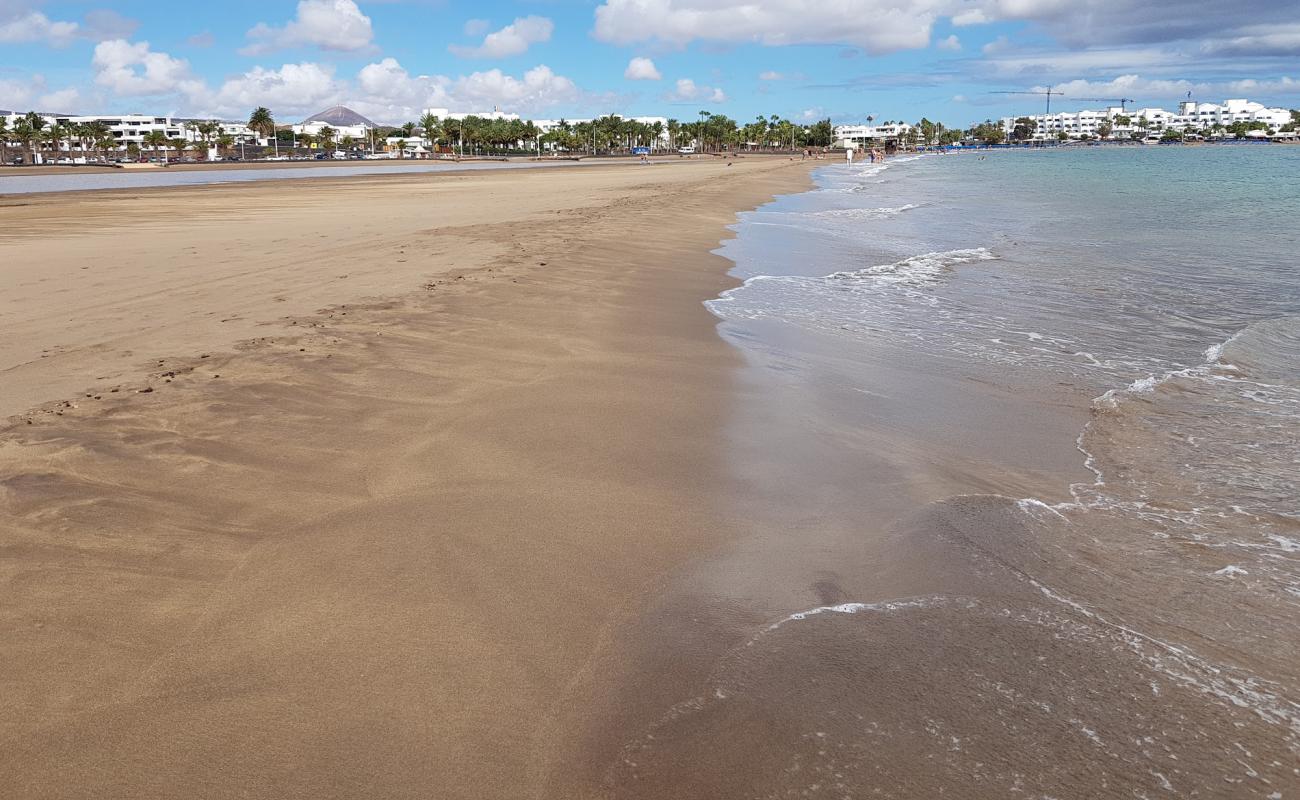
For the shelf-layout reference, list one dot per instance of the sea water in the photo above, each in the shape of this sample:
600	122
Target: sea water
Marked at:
1160	286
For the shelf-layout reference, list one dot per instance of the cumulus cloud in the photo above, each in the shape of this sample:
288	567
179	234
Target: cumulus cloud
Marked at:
386	91
642	69
292	90
63	100
512	40
20	24
130	69
328	24
32	94
951	43
687	90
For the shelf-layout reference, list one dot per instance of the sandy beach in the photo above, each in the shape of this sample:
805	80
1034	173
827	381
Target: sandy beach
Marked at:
347	490
452	486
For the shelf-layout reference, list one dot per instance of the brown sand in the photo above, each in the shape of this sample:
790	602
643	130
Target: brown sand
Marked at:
380	550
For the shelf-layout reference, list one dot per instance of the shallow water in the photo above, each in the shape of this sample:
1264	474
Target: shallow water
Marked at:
1148	296
124	179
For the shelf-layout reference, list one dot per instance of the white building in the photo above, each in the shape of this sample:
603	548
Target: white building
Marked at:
1190	117
128	129
358	132
861	136
442	113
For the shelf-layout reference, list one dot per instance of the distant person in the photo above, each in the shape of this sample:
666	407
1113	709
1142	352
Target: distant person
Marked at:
848	156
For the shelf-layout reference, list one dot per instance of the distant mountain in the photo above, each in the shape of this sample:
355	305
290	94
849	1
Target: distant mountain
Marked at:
339	115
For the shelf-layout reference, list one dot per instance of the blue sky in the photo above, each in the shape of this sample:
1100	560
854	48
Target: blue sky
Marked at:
806	60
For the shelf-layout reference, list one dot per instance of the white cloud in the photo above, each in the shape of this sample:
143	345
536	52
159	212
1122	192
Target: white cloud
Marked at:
998	45
132	69
17	94
642	69
512	40
63	100
327	24
1256	40
1157	90
879	26
974	16
476	27
33	26
385	91
770	75
883	26
538	89
687	90
1009	63
293	90
951	43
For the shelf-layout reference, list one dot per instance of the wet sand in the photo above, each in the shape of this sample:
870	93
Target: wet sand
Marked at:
373	550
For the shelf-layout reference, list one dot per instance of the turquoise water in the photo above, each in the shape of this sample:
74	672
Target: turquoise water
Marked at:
1153	293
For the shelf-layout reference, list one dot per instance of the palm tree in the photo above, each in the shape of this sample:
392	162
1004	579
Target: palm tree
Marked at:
430	125
348	144
400	144
56	136
155	140
31	126
326	137
262	122
180	144
4	140
224	142
104	140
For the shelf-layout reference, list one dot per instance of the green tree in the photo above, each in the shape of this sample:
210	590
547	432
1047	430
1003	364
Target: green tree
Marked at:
262	122
326	137
1023	129
432	129
56	135
155	140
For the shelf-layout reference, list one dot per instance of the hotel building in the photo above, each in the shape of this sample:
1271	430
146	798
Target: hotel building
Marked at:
1190	116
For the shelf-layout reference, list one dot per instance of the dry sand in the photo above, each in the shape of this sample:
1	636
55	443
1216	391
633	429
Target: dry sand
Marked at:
385	549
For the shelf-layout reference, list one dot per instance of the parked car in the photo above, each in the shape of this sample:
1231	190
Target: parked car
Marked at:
686	151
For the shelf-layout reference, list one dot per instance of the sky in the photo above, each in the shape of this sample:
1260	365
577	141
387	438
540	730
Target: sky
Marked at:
804	60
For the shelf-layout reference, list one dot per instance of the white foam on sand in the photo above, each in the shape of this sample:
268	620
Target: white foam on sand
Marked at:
859	608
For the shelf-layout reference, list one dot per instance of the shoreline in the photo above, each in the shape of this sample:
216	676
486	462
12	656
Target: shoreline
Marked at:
405	529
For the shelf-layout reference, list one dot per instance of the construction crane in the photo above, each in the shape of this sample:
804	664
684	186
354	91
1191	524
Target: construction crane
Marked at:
1123	101
1049	92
